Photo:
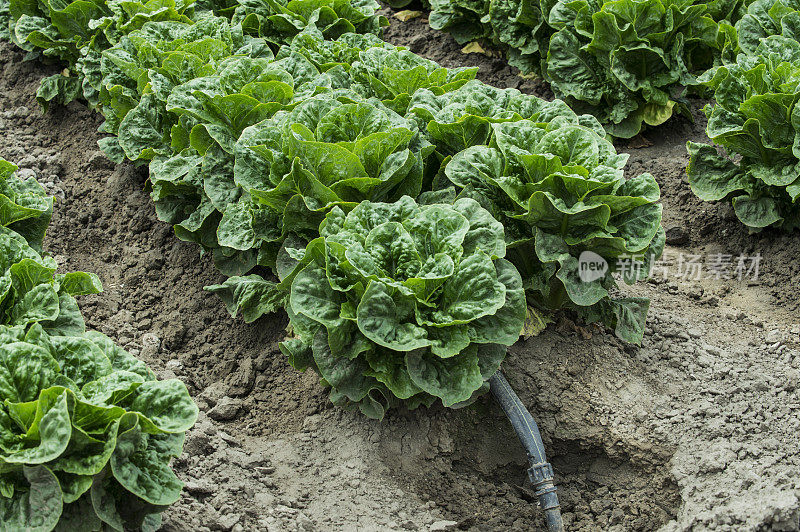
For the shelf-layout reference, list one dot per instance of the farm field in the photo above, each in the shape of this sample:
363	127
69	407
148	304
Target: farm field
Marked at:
698	428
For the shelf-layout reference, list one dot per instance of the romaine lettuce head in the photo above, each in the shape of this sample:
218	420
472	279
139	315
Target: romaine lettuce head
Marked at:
626	61
463	117
279	21
463	19
86	433
25	207
559	190
756	117
334	149
765	18
394	75
404	301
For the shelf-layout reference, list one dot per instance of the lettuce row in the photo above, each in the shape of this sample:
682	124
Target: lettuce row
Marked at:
404	301
86	430
78	32
254	147
624	61
756	119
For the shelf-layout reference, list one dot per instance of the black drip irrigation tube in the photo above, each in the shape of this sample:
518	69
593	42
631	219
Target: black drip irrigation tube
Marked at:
540	472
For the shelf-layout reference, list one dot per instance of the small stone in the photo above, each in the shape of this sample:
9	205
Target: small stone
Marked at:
677	235
442	525
241	381
26	173
228	521
198	443
213	393
196	487
304	523
417	44
262	362
174	364
150	345
773	336
226	409
695	333
230	440
599	506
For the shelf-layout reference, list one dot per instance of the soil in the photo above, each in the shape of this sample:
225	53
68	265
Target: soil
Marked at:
696	429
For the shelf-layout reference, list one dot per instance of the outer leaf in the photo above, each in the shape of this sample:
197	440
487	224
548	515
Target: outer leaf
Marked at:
38	508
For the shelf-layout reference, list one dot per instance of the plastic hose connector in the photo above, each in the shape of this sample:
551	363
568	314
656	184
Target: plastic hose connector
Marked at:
541	476
540	473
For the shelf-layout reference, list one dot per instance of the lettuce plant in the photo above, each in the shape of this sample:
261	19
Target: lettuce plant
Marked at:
404	301
557	186
765	18
756	119
86	433
330	150
462	18
520	27
25	209
463	117
395	75
86	430
627	61
377	69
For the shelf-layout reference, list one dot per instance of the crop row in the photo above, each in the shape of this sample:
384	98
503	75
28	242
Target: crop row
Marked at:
627	62
630	63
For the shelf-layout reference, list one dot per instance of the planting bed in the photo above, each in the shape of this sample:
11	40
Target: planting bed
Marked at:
696	429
